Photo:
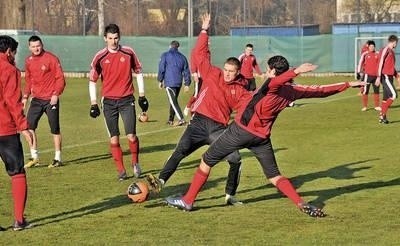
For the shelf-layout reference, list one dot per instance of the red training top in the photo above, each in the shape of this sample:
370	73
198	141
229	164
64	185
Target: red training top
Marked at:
248	64
11	108
44	76
277	98
216	98
387	61
115	69
368	63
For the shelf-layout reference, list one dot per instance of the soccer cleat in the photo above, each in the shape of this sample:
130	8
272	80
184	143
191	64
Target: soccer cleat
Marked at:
378	108
383	119
137	171
56	163
170	122
33	162
18	226
231	200
122	176
178	202
180	123
2	228
155	183
311	210
363	109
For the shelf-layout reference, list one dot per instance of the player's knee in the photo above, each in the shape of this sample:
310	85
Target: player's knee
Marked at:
234	159
11	171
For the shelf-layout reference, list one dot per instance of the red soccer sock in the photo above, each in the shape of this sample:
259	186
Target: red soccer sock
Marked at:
364	100
116	153
134	148
19	192
198	181
376	100
284	185
385	106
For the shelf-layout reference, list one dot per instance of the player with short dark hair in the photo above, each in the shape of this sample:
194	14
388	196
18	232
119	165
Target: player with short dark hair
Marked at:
251	129
386	74
367	70
249	63
13	123
115	64
45	83
173	68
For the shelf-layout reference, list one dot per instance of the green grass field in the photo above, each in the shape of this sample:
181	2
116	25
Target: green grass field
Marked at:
337	156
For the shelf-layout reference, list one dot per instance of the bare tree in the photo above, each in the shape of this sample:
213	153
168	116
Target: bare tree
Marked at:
371	10
100	16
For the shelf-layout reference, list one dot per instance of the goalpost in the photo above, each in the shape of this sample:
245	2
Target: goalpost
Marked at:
359	42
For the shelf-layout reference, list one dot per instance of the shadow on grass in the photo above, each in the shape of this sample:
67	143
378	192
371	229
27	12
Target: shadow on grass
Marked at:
106	204
345	171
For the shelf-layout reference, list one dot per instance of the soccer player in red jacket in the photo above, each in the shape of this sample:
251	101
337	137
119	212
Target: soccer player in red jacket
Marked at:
45	83
219	95
12	123
115	64
249	63
386	74
367	70
252	129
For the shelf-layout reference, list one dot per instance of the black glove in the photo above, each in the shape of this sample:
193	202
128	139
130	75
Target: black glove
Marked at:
143	103
358	76
94	111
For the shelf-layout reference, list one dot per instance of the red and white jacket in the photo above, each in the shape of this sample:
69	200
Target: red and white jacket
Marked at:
249	63
387	62
44	76
368	63
12	118
277	98
115	70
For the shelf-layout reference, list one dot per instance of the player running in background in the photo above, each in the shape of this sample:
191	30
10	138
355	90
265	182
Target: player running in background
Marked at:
115	64
45	83
249	63
252	128
12	123
386	74
172	69
367	70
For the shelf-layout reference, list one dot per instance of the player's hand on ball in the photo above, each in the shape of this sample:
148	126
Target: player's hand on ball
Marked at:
143	103
94	111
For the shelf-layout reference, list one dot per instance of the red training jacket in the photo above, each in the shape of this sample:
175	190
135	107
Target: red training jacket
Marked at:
387	61
368	63
12	115
277	99
249	63
115	69
44	76
216	99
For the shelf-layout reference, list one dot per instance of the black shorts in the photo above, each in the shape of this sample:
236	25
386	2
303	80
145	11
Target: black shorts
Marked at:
370	80
251	84
36	110
235	138
12	155
388	89
125	107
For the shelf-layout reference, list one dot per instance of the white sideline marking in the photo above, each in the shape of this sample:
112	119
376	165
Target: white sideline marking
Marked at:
173	128
106	140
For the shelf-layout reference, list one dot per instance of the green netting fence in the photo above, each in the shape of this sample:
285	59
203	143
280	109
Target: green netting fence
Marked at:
333	53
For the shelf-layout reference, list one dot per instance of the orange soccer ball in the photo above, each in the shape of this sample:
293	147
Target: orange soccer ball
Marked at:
143	117
138	192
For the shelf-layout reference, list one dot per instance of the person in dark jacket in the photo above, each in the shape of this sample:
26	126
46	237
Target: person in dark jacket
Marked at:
172	70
